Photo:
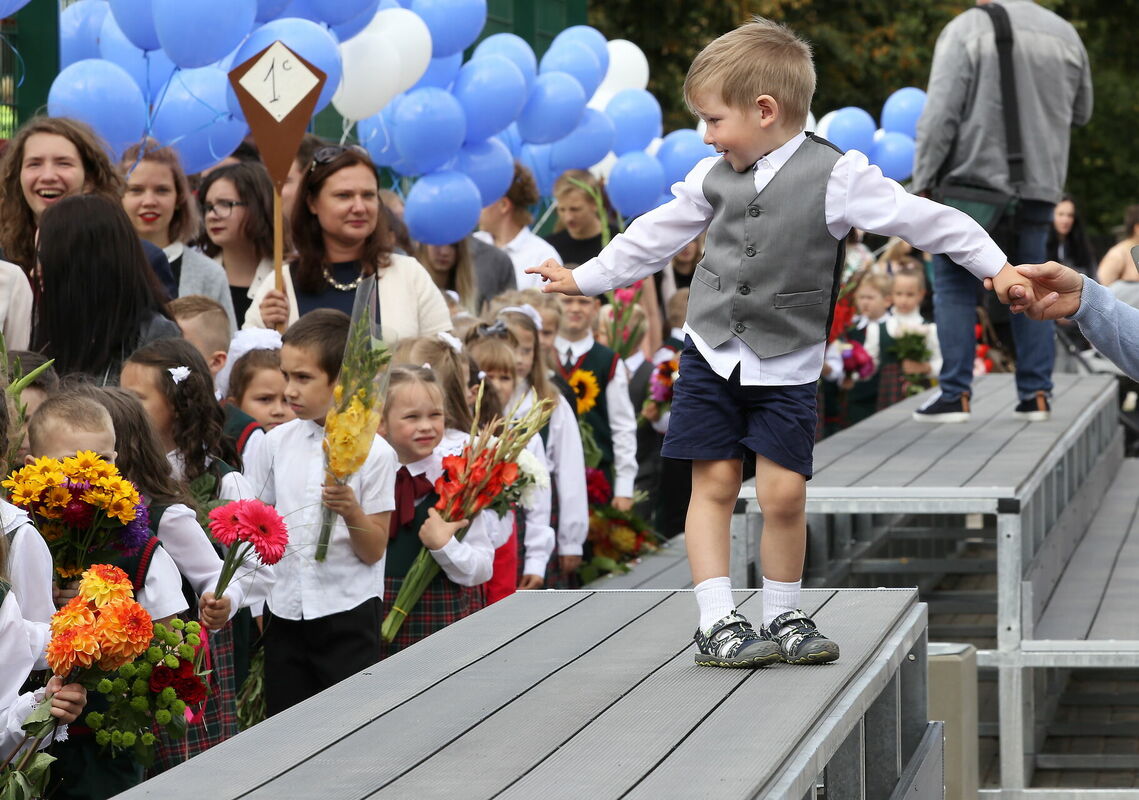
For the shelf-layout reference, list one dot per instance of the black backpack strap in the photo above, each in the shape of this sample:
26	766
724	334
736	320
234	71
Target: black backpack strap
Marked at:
1003	28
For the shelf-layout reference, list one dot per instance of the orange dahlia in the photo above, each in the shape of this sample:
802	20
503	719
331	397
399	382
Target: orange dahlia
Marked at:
76	613
72	648
103	584
124	630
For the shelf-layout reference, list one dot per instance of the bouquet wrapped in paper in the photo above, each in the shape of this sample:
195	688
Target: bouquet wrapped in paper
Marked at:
351	425
490	473
83	507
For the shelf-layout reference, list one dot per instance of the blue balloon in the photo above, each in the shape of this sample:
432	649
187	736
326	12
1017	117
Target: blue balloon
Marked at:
337	12
636	117
149	70
304	37
492	92
589	142
902	110
893	153
376	134
591	38
536	158
270	9
195	120
104	96
442	208
79	27
136	20
301	9
490	165
441	72
204	31
554	108
512	139
679	152
513	47
346	30
429	129
454	24
635	183
852	128
576	59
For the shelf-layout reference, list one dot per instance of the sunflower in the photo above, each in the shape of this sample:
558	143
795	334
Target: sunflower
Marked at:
584	385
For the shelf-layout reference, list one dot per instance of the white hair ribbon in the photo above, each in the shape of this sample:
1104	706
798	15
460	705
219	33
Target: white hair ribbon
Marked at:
178	374
526	310
451	340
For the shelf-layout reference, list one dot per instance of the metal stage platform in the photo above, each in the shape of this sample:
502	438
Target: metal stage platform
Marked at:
595	694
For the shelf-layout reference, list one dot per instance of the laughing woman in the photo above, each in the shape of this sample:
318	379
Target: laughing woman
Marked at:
164	213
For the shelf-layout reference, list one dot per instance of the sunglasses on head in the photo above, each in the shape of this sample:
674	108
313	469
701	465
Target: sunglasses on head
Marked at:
329	153
497	330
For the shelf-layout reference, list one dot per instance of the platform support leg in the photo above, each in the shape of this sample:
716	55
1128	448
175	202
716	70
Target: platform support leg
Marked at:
883	751
914	698
846	772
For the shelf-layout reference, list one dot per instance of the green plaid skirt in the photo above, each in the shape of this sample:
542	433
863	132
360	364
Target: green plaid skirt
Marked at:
443	603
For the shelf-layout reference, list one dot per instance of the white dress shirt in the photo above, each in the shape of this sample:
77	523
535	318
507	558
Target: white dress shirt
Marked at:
468	561
622	418
16	660
527	249
288	472
857	196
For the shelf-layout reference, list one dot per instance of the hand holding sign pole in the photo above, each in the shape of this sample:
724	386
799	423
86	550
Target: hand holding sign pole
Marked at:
278	91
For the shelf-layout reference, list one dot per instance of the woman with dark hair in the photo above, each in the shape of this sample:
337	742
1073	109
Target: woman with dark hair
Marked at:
98	298
164	212
341	237
1067	240
237	205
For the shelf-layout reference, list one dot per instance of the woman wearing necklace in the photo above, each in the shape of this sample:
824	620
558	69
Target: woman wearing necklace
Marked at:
340	237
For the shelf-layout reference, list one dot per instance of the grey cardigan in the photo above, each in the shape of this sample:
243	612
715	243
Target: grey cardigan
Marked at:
1110	325
202	275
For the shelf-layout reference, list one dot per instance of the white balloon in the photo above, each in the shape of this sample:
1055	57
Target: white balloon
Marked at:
811	123
628	67
602	168
406	33
824	124
600	99
371	76
652	147
878	134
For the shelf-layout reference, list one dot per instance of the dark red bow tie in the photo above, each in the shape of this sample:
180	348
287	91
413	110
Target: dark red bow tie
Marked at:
408	489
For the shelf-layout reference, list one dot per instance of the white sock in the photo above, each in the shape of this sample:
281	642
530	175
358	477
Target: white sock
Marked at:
779	598
714	596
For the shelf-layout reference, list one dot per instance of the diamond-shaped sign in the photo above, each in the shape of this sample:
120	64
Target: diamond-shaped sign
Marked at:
279	81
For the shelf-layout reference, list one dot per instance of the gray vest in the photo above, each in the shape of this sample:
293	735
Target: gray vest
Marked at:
771	268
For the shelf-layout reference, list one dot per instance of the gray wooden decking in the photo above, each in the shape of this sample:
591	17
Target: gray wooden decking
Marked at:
892	460
584	694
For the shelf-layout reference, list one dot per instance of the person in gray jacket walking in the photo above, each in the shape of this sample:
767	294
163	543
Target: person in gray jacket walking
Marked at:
961	139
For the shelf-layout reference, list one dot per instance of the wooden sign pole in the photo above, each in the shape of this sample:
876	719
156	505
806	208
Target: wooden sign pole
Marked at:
278	91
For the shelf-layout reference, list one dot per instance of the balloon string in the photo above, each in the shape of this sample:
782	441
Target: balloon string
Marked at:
23	69
347	126
545	215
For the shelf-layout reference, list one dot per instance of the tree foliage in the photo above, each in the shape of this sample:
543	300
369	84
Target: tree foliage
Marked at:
866	50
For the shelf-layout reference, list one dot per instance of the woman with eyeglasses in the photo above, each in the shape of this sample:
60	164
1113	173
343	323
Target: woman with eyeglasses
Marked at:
236	202
165	213
341	237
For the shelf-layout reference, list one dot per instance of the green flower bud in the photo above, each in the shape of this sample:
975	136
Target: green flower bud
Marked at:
129	739
154	655
162	716
177	624
119	685
172	661
104	687
116	738
168	694
140	687
94	720
128	671
144	671
148	739
178	707
140	704
161	701
102	738
193	640
186	651
193	627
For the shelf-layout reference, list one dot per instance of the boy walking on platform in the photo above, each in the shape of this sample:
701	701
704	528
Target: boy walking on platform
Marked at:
777	205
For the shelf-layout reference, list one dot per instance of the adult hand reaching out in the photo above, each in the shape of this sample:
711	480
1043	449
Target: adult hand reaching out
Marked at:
1055	294
556	278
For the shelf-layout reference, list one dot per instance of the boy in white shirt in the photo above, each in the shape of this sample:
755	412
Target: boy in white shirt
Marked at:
322	619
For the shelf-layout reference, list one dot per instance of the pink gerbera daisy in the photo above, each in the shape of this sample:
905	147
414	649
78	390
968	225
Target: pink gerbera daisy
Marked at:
224	524
263	527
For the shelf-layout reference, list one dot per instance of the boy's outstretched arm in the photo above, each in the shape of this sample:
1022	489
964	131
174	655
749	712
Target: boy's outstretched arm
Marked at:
556	278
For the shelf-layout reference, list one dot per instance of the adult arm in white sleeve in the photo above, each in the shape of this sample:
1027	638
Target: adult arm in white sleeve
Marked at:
470	562
567	465
623	430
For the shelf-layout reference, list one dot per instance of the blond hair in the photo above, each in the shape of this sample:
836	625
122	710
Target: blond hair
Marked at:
759	57
193	306
74	411
881	282
915	272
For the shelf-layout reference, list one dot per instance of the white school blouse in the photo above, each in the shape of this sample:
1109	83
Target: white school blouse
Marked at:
193	552
857	196
469	561
288	472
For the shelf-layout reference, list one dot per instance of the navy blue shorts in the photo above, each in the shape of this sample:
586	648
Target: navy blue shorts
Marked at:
715	419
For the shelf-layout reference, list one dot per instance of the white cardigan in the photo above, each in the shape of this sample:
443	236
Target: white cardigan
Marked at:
15	306
411	305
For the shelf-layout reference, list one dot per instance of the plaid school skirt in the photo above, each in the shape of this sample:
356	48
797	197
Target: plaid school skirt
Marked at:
219	721
444	603
891	385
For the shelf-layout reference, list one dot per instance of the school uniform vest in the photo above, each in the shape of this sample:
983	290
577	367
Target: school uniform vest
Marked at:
404	547
866	392
239	426
602	362
770	272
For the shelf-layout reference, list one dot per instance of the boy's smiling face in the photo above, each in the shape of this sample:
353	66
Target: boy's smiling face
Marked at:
741	135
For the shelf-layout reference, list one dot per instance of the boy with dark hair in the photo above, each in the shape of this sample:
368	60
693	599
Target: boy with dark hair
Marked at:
322	619
777	205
